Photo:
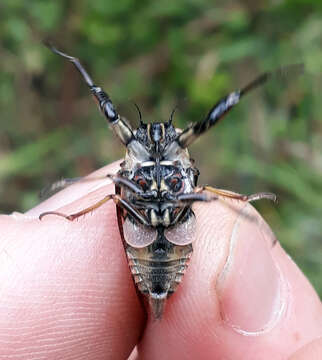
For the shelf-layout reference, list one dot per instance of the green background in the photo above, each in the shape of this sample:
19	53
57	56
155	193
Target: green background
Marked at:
159	54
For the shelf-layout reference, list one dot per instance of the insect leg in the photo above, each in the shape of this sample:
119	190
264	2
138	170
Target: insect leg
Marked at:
223	106
120	126
192	197
57	186
117	200
131	185
80	213
231	195
122	181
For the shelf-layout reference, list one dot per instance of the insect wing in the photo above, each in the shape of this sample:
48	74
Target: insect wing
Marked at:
138	235
183	233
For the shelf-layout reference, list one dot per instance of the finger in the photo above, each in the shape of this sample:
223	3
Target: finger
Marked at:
241	298
311	351
66	290
88	184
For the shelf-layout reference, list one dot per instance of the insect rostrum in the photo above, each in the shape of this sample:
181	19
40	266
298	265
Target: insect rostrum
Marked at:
155	189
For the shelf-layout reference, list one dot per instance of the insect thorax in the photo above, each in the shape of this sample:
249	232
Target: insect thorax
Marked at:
162	170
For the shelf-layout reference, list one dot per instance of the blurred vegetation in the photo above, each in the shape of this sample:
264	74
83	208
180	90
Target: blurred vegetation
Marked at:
159	54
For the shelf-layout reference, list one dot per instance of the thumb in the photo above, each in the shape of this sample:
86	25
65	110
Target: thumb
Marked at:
311	351
241	298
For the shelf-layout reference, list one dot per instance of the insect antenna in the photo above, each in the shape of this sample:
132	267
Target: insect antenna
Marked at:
223	106
120	126
283	72
74	60
172	114
139	112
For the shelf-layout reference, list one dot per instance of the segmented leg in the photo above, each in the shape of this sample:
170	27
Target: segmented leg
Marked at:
132	186
117	200
248	198
193	197
122	181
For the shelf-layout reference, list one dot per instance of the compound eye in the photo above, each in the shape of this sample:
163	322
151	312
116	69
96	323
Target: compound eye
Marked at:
142	183
175	184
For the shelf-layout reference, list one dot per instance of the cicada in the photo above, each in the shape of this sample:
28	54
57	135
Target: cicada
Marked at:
156	187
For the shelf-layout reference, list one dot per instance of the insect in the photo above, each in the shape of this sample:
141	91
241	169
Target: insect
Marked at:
156	187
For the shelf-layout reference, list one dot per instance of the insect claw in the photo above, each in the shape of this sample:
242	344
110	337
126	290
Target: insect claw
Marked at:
259	196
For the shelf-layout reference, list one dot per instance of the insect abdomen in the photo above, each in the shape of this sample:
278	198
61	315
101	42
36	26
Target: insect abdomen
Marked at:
158	270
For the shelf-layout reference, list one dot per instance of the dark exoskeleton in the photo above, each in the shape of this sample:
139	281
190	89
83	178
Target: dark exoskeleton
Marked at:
155	189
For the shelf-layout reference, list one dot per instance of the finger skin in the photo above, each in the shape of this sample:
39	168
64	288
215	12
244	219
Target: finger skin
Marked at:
82	188
66	290
194	325
311	351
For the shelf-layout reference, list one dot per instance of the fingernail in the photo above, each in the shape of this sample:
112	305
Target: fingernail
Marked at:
250	288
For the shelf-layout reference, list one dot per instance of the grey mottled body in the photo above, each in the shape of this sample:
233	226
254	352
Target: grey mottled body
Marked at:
158	270
158	254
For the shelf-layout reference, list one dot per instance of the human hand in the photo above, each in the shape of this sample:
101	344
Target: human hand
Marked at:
67	292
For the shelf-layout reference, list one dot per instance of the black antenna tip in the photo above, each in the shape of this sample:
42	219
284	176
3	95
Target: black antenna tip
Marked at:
172	114
49	44
53	48
280	73
139	112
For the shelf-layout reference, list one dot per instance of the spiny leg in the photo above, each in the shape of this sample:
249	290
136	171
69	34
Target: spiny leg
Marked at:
121	127
117	200
79	213
228	194
223	106
246	198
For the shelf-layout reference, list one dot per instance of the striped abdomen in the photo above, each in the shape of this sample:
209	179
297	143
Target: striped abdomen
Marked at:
158	269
